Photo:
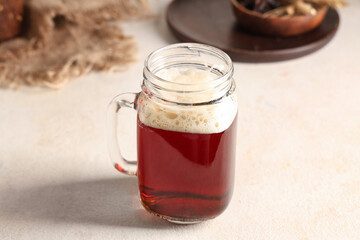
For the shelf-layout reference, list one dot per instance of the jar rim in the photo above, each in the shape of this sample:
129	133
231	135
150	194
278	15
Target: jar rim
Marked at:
193	55
192	46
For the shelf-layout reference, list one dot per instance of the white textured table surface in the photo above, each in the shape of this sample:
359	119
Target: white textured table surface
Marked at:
298	155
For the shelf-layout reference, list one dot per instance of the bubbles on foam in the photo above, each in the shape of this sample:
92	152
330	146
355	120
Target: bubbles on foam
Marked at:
197	119
200	119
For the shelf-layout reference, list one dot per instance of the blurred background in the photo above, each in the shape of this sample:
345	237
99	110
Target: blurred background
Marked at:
297	169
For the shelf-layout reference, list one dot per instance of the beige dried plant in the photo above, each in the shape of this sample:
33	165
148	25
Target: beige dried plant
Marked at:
69	38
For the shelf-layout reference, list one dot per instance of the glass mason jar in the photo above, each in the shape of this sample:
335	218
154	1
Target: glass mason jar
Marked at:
186	132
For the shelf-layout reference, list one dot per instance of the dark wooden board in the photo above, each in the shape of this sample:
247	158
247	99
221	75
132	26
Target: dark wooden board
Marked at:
212	22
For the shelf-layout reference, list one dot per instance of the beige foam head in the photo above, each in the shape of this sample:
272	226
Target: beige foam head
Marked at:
210	118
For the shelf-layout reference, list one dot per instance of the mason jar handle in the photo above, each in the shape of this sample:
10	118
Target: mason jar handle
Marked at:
127	100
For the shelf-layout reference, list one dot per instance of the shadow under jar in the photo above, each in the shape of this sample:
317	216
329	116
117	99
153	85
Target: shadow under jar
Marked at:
186	133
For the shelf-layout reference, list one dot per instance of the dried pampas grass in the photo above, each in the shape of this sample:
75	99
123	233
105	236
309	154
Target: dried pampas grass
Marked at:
68	38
